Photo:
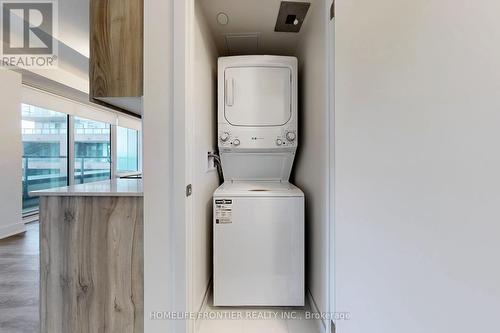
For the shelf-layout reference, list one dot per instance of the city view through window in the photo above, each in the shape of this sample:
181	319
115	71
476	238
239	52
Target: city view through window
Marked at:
92	151
127	149
45	151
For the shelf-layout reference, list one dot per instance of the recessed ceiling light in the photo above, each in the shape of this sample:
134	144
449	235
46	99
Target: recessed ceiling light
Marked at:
222	18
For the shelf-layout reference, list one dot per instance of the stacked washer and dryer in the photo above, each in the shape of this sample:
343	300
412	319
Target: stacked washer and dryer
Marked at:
258	214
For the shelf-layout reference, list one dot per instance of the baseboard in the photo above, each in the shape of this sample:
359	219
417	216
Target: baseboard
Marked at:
12	229
313	307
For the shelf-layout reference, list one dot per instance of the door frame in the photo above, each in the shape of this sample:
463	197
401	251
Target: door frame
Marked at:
330	86
165	138
183	16
182	172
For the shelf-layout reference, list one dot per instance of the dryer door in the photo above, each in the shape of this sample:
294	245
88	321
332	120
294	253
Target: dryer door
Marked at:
257	96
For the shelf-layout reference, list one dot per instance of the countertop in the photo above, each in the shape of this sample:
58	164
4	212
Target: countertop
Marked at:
106	188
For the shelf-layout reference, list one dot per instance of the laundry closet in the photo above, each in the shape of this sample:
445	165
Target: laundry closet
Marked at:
294	35
225	28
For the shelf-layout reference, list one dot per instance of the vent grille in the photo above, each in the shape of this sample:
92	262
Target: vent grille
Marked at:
291	16
242	44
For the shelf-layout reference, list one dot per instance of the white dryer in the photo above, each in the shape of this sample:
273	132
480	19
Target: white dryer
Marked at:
257	116
258	214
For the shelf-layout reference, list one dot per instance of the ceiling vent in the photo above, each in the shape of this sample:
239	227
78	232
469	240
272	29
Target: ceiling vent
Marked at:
291	16
242	44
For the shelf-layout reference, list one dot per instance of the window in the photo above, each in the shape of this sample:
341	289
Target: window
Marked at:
56	155
45	151
92	151
127	150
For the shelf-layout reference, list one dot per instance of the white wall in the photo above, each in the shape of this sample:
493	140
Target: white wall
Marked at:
417	165
311	172
157	164
203	108
10	154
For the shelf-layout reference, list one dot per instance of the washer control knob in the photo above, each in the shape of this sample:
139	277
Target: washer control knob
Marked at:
224	136
279	142
236	142
290	136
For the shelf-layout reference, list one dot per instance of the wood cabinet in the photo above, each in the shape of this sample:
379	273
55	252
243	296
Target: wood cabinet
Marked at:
116	53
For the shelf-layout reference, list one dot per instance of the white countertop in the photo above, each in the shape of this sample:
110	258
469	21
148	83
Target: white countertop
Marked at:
106	188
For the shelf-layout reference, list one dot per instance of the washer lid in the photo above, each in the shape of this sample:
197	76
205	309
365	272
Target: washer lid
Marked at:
258	189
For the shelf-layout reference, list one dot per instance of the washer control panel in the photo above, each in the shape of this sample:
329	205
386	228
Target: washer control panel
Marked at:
287	139
224	136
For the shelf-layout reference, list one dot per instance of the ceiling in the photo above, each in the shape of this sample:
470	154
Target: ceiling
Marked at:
245	16
250	19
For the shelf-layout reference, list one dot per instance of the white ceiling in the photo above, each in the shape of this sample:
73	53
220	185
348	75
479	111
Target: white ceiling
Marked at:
250	17
257	17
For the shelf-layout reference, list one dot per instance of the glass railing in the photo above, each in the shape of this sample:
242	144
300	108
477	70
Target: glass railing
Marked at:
92	169
89	131
45	172
40	173
43	131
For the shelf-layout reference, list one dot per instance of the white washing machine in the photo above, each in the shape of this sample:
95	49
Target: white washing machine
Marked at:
258	244
258	214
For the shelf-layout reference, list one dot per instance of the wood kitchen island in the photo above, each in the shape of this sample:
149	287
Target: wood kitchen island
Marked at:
91	257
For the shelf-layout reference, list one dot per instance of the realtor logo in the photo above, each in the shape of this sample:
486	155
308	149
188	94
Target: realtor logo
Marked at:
28	31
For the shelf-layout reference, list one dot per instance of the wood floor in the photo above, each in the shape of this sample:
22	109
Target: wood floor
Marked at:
19	280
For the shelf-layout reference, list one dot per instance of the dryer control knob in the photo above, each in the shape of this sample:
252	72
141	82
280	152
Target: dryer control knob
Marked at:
224	136
236	142
290	136
278	142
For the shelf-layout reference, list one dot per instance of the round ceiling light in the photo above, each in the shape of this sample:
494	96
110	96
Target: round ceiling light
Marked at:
222	18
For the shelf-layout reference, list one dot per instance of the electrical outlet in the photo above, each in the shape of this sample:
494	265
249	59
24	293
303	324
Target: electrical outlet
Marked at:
210	163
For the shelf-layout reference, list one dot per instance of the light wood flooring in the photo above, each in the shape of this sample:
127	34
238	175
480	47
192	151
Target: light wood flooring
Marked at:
19	280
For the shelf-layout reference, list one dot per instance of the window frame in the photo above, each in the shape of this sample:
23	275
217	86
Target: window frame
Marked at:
128	173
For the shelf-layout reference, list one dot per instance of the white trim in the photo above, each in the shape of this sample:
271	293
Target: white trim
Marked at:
188	58
12	229
189	44
181	222
330	94
140	150
160	244
114	150
313	307
71	150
